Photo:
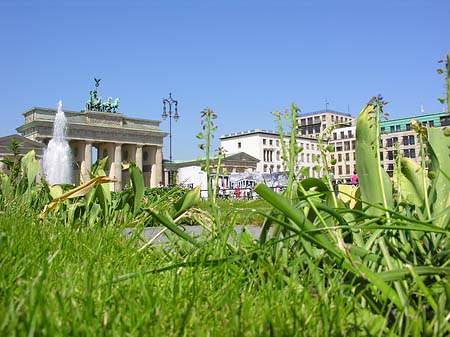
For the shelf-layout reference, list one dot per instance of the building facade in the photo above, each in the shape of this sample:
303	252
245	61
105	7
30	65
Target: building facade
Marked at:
266	146
397	136
94	135
313	124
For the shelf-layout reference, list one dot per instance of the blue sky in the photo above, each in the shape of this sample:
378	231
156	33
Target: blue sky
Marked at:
244	59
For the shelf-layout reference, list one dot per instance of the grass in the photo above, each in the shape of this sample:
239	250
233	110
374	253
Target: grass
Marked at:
59	281
242	212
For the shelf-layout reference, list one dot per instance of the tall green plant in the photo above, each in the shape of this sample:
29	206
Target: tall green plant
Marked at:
375	184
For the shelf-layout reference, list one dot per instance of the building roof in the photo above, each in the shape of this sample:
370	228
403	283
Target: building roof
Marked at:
26	145
259	132
229	157
319	112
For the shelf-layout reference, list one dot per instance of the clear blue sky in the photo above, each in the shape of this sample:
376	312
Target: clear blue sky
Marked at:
242	58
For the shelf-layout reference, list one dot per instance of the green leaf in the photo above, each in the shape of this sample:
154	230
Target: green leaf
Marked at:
412	187
439	152
137	181
188	200
375	184
167	221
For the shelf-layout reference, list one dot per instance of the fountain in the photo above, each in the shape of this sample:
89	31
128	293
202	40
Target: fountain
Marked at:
57	156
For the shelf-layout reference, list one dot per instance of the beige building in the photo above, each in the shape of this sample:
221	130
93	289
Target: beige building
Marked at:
312	124
95	135
343	140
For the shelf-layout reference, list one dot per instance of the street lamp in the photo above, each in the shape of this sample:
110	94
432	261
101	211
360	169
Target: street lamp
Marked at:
170	101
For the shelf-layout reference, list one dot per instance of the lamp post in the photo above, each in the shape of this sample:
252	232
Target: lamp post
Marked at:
170	101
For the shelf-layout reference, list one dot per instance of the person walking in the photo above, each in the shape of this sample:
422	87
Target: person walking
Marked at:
354	179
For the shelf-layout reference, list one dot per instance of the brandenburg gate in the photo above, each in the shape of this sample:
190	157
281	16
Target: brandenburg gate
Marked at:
100	132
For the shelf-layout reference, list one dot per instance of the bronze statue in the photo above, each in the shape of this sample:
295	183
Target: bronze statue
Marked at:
95	102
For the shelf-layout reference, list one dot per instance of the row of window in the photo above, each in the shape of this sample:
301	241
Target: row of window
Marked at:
348	156
317	119
392	155
340	171
406	140
338	146
398	127
343	135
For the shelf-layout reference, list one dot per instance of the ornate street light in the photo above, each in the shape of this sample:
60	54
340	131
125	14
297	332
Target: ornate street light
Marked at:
170	101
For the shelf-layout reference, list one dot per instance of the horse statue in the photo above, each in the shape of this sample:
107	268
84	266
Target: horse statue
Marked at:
107	106
115	105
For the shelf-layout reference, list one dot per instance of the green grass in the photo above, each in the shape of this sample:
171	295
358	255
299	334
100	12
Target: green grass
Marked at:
59	281
243	212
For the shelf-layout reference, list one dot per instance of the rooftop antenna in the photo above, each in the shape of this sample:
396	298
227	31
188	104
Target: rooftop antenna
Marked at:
348	109
326	105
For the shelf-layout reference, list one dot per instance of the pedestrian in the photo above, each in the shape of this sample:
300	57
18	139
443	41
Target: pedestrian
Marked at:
354	179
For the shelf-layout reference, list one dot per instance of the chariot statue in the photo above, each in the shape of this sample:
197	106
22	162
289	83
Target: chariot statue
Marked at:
95	102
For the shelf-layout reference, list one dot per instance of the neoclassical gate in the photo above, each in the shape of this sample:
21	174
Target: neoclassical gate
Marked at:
94	135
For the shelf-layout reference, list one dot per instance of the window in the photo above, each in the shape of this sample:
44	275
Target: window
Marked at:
278	155
340	170
303	121
431	124
307	157
383	129
411	140
412	153
408	127
264	141
406	153
395	140
397	128
270	142
353	144
347	169
339	157
350	134
444	120
307	146
392	128
334	135
381	156
342	135
405	140
390	155
346	146
239	145
389	142
347	156
277	142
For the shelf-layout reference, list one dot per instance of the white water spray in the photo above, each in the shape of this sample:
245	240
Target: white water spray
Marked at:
57	157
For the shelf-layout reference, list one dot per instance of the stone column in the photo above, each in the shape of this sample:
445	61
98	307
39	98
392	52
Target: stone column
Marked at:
139	157
156	177
116	168
86	162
